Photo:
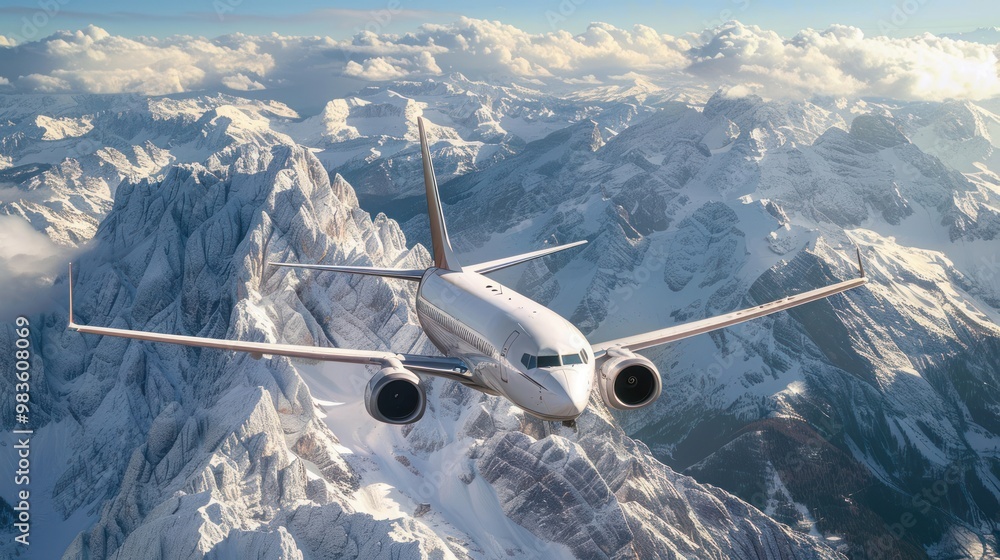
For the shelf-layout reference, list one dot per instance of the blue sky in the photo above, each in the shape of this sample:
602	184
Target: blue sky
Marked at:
211	18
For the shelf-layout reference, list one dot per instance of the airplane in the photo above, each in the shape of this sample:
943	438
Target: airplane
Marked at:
492	339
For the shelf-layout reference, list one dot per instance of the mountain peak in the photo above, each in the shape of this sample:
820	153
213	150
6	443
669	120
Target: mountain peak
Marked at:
879	130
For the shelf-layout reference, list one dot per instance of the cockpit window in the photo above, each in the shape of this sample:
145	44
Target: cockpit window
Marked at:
528	361
571	359
549	361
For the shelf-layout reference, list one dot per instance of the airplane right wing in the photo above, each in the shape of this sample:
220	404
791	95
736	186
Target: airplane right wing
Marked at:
452	368
678	332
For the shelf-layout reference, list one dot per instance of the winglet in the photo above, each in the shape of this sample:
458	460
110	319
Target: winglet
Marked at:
861	266
444	256
71	323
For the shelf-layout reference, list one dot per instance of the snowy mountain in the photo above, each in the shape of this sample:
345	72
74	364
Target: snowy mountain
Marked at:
807	434
961	134
184	453
63	156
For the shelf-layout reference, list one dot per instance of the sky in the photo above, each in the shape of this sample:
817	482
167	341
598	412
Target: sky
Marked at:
211	18
305	53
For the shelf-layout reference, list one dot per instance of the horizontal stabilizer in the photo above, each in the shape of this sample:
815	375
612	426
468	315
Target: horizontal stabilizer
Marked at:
402	274
499	264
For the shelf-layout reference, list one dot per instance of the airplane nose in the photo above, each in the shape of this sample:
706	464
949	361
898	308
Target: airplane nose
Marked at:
570	394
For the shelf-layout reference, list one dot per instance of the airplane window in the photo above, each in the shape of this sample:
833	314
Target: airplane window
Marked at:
571	359
549	361
528	361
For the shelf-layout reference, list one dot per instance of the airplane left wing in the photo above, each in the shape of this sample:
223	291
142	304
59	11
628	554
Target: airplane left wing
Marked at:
441	366
678	332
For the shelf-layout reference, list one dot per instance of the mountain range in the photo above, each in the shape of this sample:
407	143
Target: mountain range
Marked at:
863	426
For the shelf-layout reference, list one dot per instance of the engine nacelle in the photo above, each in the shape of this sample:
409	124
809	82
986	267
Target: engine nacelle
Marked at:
395	396
627	381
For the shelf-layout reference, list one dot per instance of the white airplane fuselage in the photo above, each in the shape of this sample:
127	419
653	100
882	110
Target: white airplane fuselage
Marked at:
514	346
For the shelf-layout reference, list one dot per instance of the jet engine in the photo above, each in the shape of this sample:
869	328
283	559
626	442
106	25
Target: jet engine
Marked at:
395	396
628	381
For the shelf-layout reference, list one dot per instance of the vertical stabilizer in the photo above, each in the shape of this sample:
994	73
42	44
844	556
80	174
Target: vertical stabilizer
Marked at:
71	293
444	256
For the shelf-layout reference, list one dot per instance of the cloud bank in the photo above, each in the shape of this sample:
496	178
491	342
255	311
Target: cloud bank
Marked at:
841	61
838	61
29	263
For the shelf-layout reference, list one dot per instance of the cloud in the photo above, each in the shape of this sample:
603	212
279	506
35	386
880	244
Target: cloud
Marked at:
599	51
842	61
242	82
93	61
589	79
29	263
378	68
382	68
839	61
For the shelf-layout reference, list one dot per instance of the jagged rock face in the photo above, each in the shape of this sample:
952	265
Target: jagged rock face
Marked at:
878	130
563	486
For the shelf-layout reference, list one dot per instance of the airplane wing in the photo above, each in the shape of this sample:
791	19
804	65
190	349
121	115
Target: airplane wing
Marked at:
678	332
452	368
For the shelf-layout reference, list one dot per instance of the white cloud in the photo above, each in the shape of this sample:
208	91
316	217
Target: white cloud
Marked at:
600	50
382	68
377	69
841	61
94	61
838	61
42	84
7	41
242	82
29	262
589	79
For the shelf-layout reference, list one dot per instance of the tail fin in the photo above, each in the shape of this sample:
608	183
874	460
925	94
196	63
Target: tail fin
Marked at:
444	255
71	323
